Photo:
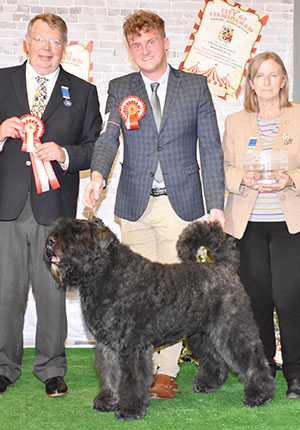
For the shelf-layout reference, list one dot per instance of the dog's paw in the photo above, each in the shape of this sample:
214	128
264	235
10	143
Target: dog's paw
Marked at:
205	389
105	402
258	395
256	402
206	385
207	382
126	415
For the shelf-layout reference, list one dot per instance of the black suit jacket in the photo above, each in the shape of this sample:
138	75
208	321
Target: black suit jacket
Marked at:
75	128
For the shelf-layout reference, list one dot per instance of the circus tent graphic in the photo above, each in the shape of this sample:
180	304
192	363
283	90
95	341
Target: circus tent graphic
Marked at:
212	76
226	82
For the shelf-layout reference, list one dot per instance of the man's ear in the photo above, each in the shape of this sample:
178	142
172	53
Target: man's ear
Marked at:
27	42
167	43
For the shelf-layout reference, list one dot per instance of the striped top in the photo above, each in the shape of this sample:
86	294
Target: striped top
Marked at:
267	206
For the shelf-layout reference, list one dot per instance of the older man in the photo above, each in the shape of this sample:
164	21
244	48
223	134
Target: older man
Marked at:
36	188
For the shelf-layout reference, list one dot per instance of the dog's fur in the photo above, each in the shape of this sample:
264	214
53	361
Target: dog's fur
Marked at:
132	305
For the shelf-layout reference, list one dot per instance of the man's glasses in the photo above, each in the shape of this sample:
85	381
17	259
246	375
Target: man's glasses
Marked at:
41	41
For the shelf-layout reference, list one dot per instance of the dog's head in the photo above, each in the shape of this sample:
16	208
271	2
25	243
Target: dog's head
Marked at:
73	247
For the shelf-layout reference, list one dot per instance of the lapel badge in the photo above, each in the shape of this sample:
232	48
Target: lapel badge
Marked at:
66	96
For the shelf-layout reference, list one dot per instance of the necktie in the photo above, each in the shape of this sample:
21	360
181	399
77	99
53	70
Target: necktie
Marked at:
157	116
40	97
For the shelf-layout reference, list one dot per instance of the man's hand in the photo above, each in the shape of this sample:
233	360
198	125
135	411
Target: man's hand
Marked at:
10	128
93	190
50	151
218	216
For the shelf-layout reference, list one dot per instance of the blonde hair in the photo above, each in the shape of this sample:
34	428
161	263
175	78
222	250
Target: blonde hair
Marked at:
143	20
54	21
250	98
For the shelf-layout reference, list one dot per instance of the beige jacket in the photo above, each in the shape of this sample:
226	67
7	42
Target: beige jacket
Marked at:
239	127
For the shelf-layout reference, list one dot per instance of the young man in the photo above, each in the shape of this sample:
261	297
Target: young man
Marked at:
159	191
69	110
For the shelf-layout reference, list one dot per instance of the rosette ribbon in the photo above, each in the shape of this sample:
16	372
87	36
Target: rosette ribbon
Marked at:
43	172
132	109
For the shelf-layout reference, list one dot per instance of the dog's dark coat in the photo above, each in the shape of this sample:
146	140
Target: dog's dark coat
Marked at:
132	305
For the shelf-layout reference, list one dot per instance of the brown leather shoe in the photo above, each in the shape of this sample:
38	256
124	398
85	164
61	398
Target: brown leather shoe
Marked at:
164	387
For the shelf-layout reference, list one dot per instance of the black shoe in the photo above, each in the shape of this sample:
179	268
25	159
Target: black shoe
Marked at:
4	384
293	391
56	386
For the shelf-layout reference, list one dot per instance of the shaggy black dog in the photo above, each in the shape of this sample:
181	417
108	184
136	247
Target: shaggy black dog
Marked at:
132	305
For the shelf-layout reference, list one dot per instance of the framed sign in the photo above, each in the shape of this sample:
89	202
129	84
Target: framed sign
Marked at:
77	59
223	42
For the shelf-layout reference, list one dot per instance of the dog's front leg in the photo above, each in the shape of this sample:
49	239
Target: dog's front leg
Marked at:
135	384
108	365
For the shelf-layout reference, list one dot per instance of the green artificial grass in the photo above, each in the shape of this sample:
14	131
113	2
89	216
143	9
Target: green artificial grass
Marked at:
26	406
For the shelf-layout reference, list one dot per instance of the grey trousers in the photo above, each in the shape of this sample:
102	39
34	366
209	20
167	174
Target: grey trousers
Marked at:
21	263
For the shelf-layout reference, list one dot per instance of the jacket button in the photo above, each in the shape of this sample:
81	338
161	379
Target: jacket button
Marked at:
152	175
282	197
159	148
28	163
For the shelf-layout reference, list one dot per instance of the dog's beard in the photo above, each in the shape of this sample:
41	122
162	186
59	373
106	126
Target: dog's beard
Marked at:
55	271
58	275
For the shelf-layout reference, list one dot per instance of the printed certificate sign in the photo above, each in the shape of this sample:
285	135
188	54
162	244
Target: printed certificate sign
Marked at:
223	41
77	59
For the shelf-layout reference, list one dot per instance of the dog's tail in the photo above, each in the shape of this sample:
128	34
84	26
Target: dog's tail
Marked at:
210	235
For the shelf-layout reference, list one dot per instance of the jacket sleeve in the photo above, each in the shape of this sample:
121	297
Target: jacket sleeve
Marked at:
107	145
80	152
233	174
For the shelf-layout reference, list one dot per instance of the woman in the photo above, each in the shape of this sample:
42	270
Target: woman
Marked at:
266	218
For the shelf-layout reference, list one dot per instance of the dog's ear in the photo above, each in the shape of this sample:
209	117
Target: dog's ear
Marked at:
106	238
98	222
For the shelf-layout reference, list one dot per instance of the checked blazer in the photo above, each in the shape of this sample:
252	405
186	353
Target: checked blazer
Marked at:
188	115
75	128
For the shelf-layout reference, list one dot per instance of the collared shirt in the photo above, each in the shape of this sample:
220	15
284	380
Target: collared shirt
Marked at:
32	84
161	92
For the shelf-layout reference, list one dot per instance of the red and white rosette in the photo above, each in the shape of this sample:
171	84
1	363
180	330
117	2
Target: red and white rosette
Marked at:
42	170
132	109
34	129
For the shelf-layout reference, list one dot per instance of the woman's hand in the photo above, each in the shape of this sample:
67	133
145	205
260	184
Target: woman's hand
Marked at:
284	180
249	180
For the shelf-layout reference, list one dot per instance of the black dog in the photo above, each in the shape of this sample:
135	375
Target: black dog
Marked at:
132	305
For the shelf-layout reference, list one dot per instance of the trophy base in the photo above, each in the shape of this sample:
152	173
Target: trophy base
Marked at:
265	177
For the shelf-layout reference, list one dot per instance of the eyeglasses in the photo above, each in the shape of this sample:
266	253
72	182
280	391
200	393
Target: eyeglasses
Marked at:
41	41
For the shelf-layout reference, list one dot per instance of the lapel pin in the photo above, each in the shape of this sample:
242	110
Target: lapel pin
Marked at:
287	140
66	96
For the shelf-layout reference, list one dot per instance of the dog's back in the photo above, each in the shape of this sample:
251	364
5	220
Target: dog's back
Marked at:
210	235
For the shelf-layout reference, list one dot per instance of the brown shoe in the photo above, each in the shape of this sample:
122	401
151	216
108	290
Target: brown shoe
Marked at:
164	387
